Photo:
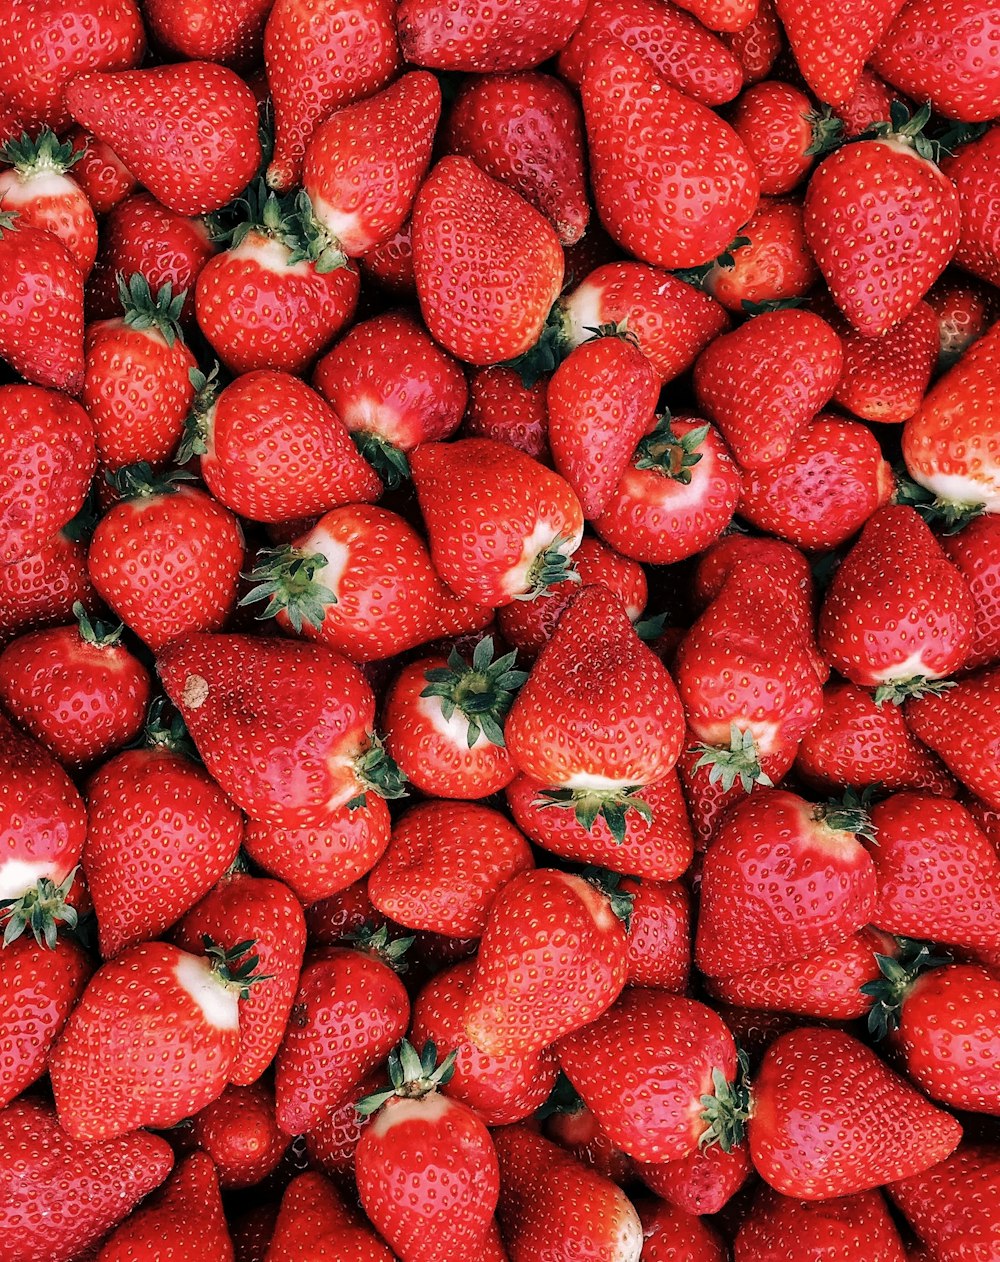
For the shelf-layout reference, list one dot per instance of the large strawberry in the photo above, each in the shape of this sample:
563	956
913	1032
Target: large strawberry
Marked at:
973	171
781	1227
473	35
831	50
671	180
203	31
953	1205
962	726
188	132
975	553
488	265
38	188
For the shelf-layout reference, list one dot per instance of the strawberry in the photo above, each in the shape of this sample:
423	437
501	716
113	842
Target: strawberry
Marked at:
782	132
138	387
503	409
445	864
471	35
200	31
722	15
964	308
779	1228
39	987
962	726
703	1181
526	131
238	906
76	689
953	1205
488	265
659	934
758	44
831	480
203	115
331	1144
676	498
315	1223
773	266
502	1088
975	553
239	1133
950	445
600	401
885	378
47	442
501	526
688	56
43	46
897	613
98	170
790	572
62	1194
38	188
765	381
552	1206
870	103
186	1214
831	51
41	299
166	557
319	56
714	778
393	388
671	1234
41	590
517	1004
870	192
349	1011
280	293
972	170
390	265
646	140
783	878
151	1041
938	874
257	708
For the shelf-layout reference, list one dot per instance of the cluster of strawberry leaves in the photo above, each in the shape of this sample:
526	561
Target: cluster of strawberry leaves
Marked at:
500	607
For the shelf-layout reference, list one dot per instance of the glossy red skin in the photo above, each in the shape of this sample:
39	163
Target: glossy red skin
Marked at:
465	35
486	278
287	763
349	1012
896	607
771	118
41	590
964	729
830	1119
391	265
315	1222
789	571
672	182
885	378
831	49
831	480
708	802
975	553
42	47
702	1182
200	30
41	338
763	383
870	102
938	874
779	1228
855	743
331	1144
657	520
954	1204
964	308
502	408
239	1133
318	860
972	169
501	1088
48	446
59	1194
581	1134
46	198
660	850
168	564
775	266
758	44
672	1235
553	957
659	934
39	987
722	15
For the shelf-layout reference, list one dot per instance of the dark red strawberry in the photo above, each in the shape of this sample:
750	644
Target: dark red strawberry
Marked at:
671	1234
885	378
99	171
702	1182
757	44
659	934
201	31
953	1205
471	35
783	133
972	170
965	308
41	590
780	1229
315	1222
502	408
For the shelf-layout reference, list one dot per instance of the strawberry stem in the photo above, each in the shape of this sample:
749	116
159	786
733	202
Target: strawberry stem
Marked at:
727	1110
286	579
412	1076
669	455
45	152
195	439
898	975
607	882
899	690
740	761
235	967
377	943
374	769
482	690
549	569
99	634
145	310
612	805
388	460
39	909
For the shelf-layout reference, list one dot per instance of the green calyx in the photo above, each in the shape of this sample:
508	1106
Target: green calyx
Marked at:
697	276
45	152
145	310
412	1076
372	941
286	579
650	629
848	813
663	451
235	968
99	634
289	220
727	1110
827	131
898	975
39	909
907	129
195	438
376	771
899	690
388	460
138	481
740	761
8	221
482	690
542	359
612	805
619	330
549	569
950	516
608	883
164	729
563	1098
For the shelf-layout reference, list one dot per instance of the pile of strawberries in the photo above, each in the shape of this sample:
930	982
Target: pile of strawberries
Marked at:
500	623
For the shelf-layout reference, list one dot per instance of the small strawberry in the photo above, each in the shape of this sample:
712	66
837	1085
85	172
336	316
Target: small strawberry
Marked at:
758	44
671	1234
975	553
315	1222
201	31
773	266
790	572
870	103
962	726
331	1145
471	35
39	189
885	378
41	590
99	171
714	778
659	934
779	1228
783	133
390	265
503	409
965	309
953	1205
239	1133
722	15
831	51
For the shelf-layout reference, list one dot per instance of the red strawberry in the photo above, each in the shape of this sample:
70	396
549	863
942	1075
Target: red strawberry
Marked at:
962	726
965	308
659	934
76	689
517	1004
152	1040
885	378
315	1223
715	778
471	35
576	1129
42	47
975	553
703	1181
870	103
831	51
186	1215
200	114
500	525
321	55
503	409
831	480
166	558
202	31
331	1144
349	1011
239	1133
390	265
41	590
138	387
61	1195
783	133
671	1234
39	987
972	170
774	265
688	56
393	388
758	44
526	131
488	265
954	1204
722	15
865	194
829	1119
45	197
671	180
790	573
765	381
99	171
897	613
41	301
780	1229
284	727
47	443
